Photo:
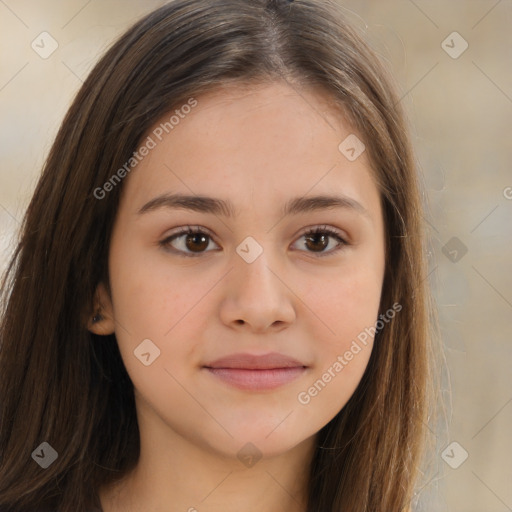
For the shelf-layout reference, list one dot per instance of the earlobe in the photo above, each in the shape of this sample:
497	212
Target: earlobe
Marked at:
101	322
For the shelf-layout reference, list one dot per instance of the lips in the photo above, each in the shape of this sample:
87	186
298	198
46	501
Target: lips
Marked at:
252	362
257	373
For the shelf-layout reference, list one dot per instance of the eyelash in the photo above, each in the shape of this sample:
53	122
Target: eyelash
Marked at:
196	230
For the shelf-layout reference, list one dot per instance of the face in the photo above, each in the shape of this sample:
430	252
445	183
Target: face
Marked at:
245	330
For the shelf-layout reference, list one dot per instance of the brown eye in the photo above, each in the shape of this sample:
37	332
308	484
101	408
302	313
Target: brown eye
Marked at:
196	241
188	242
318	239
317	242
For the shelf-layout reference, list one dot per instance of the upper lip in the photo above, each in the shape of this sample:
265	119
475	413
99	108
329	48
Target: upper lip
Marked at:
256	362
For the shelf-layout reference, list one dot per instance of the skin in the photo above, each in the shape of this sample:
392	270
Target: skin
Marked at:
258	147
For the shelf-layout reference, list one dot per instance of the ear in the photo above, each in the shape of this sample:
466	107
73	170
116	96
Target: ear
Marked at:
102	319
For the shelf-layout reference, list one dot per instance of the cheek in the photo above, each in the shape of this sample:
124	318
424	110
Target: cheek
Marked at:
149	299
344	342
345	305
165	307
347	309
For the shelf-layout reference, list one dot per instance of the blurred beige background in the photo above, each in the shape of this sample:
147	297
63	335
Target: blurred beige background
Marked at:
460	106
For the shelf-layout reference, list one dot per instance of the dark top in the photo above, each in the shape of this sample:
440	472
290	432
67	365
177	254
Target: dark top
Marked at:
50	510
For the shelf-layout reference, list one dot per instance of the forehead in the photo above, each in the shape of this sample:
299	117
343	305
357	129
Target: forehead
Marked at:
266	141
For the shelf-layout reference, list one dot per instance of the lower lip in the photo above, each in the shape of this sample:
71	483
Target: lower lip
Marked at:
257	380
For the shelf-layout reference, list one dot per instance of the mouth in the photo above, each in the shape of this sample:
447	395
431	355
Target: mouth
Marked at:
256	373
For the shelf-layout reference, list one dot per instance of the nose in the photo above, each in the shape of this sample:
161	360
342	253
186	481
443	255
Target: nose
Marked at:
257	295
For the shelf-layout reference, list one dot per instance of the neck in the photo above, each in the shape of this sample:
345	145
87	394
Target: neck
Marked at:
174	475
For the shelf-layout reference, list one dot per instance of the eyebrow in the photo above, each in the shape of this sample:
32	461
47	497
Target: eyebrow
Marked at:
215	206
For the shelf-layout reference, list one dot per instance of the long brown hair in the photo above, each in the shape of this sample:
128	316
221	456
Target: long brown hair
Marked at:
61	384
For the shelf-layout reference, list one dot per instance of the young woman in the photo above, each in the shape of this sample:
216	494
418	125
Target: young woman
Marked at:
218	300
